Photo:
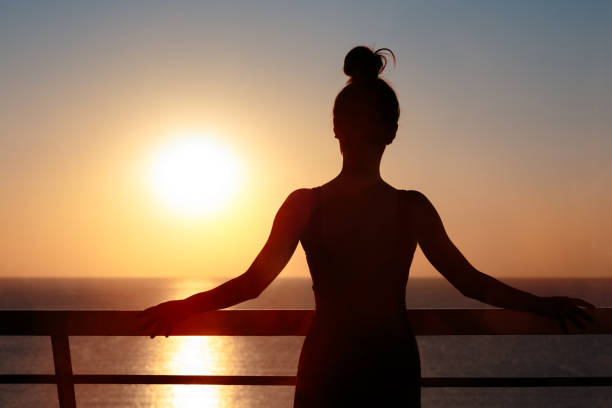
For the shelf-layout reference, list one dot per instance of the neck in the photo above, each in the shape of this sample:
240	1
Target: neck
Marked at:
360	174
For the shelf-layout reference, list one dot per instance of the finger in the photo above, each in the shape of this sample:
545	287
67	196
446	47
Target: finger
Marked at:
577	322
149	324
146	327
583	303
583	315
157	329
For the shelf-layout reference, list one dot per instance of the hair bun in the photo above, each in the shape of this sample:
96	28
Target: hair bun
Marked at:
363	64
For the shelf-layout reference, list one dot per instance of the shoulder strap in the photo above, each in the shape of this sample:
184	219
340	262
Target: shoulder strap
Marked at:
400	227
314	209
316	200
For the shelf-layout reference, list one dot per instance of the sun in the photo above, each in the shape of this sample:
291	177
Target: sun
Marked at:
194	175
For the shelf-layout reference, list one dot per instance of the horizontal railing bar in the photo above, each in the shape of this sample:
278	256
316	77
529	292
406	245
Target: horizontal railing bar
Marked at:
185	379
507	382
28	379
424	322
265	380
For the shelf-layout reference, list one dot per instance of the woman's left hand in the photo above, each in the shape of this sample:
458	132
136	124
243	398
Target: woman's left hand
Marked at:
565	309
160	319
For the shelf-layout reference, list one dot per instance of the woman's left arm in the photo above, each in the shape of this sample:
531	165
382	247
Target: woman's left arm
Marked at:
288	224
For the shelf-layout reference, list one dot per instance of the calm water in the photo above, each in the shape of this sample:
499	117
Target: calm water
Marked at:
441	356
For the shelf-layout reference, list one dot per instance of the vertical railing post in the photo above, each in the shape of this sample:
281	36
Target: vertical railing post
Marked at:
63	371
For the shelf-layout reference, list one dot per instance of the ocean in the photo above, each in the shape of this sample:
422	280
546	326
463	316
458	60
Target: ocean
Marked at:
444	356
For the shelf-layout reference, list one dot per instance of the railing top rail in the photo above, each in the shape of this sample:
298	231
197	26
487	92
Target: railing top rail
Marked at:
424	322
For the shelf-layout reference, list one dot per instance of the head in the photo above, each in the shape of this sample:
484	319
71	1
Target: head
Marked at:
366	111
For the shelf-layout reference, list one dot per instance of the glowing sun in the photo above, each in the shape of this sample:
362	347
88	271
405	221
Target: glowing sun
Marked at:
194	175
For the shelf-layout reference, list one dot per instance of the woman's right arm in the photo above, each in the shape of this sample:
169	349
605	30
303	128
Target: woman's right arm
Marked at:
282	242
450	262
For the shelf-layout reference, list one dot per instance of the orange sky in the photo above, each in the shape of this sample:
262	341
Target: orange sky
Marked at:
505	127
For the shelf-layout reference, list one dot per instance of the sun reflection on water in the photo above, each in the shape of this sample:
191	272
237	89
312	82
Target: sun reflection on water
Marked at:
192	396
195	355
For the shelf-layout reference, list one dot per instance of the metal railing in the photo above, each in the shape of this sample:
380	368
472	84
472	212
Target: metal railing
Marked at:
60	325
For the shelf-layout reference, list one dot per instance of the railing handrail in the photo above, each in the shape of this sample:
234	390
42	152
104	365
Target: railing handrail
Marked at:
60	324
424	322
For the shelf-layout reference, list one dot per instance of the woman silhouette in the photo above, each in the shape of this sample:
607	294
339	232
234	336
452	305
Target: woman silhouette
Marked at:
359	234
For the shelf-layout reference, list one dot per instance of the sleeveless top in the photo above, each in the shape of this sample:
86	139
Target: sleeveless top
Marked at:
358	270
360	350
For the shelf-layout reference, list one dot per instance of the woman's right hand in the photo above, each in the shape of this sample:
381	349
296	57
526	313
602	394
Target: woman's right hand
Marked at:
566	309
161	318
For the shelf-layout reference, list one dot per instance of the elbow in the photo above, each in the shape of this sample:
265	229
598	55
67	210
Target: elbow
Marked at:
250	292
476	291
469	292
466	288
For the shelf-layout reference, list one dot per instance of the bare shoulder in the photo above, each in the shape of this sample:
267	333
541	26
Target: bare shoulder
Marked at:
297	205
300	198
420	210
414	200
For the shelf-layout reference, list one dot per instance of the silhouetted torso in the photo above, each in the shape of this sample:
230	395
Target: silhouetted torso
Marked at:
360	350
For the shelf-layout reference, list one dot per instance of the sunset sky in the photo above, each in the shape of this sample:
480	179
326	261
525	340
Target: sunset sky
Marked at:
506	125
